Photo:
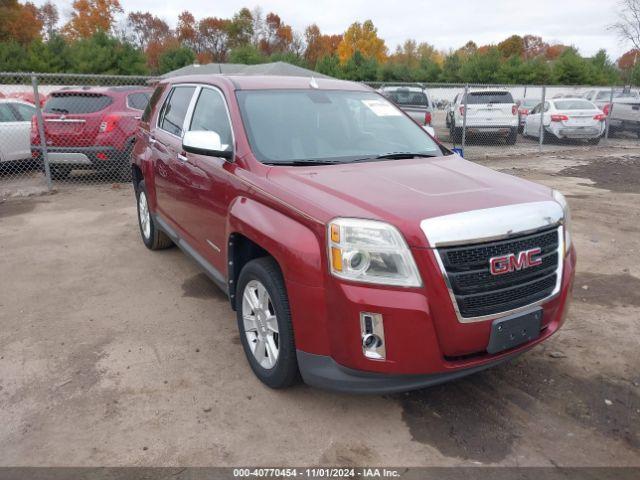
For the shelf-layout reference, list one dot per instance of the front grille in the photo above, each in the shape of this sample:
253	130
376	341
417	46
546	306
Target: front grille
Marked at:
477	292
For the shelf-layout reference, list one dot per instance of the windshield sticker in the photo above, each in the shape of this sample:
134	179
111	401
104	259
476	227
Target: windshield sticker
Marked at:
382	108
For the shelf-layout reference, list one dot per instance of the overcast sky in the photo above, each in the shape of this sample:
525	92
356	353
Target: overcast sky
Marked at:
443	23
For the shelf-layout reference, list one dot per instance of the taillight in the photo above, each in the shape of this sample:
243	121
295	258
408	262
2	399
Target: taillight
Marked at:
600	117
559	118
606	109
427	118
462	110
514	109
34	123
109	123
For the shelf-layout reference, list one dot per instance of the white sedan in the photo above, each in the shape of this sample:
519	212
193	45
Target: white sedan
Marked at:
15	130
574	118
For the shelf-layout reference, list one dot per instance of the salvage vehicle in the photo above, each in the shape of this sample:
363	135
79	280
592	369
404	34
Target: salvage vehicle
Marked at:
566	118
90	128
413	100
15	125
488	112
623	111
358	253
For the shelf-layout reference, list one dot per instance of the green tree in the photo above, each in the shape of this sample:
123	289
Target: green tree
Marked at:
451	68
482	67
329	65
174	58
604	71
50	56
360	68
103	54
12	57
571	69
246	54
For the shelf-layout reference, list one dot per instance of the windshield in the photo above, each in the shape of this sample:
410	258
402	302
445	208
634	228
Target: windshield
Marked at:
574	105
286	126
406	97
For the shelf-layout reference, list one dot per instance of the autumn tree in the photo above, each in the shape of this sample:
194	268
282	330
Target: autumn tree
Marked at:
91	16
186	30
48	15
629	59
213	39
319	45
512	46
277	37
19	23
533	46
363	38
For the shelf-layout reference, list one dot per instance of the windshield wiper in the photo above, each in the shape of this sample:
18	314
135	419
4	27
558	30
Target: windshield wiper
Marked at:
393	156
298	163
61	110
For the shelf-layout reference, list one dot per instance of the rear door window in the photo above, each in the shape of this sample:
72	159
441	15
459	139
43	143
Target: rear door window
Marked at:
6	114
489	97
138	101
74	103
25	112
175	109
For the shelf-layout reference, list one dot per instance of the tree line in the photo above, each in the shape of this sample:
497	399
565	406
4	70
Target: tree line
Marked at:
100	38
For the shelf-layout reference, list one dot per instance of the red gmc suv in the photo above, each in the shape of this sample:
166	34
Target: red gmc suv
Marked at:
90	128
357	252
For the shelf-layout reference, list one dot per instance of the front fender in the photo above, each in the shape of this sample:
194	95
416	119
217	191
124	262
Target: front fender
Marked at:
298	252
294	245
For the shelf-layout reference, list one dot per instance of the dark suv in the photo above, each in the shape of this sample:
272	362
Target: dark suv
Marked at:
357	251
90	128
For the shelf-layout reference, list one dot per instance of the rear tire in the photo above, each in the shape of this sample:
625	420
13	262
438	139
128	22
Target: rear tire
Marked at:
152	237
59	173
264	323
455	133
513	136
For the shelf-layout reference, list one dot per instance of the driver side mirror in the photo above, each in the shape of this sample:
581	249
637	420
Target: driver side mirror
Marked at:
203	142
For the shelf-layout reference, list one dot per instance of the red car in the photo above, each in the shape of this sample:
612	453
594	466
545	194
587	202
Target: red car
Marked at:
90	128
358	252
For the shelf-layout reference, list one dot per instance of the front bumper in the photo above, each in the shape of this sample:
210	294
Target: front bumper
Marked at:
425	342
95	157
323	372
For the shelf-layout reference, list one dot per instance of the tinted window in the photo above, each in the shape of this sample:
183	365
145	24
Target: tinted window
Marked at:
489	97
138	101
25	111
406	97
175	109
340	126
574	105
76	103
6	114
210	114
157	93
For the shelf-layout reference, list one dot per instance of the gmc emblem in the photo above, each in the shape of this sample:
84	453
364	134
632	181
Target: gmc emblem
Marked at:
512	262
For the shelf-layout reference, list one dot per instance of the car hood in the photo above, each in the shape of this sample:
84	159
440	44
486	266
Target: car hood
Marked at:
402	192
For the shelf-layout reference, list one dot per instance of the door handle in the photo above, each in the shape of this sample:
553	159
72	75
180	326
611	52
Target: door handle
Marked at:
152	141
182	157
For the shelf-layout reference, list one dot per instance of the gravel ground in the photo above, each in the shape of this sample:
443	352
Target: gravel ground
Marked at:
114	355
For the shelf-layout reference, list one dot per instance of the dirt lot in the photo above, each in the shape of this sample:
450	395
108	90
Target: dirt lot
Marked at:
114	355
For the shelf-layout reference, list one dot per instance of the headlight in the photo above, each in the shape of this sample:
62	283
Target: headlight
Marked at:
566	223
372	252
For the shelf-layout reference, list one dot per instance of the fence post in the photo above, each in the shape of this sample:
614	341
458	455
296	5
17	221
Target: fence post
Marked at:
606	128
464	118
43	142
542	101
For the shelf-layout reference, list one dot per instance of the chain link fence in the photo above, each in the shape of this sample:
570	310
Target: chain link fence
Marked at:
79	129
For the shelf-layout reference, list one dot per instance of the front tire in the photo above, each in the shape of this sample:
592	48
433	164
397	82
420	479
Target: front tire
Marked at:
264	323
152	237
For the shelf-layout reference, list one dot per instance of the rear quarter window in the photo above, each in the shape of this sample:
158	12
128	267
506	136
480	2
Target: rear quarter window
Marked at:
77	103
138	101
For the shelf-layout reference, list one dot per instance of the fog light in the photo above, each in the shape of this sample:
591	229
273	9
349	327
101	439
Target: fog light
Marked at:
372	332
